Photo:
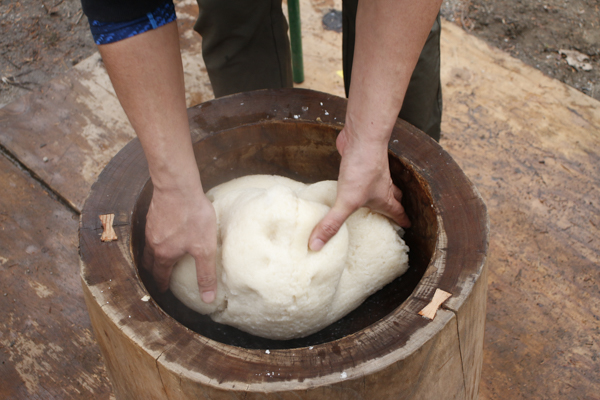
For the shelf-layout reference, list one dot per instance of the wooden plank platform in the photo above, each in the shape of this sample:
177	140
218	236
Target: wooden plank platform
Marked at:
77	124
532	146
47	348
529	143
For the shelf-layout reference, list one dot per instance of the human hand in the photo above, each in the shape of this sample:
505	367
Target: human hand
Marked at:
178	223
364	181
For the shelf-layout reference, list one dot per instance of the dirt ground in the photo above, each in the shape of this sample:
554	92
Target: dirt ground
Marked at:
40	39
535	31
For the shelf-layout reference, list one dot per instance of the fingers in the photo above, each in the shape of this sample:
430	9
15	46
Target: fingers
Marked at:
161	272
328	226
397	193
335	218
160	269
207	278
148	262
148	258
395	211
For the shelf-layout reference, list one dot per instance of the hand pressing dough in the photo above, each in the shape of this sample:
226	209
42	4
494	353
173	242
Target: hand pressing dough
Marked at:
269	283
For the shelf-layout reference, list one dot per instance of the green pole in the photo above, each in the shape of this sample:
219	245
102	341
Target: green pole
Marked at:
296	40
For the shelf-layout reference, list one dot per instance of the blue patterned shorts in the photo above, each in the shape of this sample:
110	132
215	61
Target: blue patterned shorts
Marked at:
110	32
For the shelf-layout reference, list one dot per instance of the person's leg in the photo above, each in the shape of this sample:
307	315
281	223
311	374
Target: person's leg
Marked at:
349	10
245	45
422	106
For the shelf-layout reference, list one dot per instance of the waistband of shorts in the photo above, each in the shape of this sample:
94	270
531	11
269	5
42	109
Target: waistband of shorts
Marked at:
110	32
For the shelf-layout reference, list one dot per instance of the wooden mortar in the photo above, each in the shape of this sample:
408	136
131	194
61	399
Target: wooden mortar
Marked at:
158	349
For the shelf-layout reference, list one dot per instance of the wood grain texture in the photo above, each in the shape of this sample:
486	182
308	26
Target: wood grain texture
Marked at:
287	132
77	123
47	349
531	145
471	324
501	118
108	233
132	370
430	310
434	367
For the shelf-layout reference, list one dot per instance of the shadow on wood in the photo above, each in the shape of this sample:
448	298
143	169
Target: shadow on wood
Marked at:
382	349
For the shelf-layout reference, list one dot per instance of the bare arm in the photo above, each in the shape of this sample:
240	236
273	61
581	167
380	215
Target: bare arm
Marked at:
389	37
147	75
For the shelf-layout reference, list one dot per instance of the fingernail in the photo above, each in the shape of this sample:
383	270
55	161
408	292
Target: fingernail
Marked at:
208	297
316	244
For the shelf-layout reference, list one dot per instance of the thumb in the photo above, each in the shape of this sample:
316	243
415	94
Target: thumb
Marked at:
328	227
207	278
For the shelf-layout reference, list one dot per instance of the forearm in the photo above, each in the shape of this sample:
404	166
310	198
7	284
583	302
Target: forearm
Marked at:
390	35
147	75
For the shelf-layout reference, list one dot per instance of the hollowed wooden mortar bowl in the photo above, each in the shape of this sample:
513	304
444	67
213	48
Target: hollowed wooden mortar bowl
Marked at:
158	349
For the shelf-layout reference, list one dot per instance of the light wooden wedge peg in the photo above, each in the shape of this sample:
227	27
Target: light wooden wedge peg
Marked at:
108	235
430	309
383	347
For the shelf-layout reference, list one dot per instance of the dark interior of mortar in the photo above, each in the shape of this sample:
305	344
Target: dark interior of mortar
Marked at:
306	152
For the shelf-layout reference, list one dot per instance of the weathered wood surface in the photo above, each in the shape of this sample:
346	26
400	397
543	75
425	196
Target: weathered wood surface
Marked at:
77	123
532	146
287	132
47	349
540	213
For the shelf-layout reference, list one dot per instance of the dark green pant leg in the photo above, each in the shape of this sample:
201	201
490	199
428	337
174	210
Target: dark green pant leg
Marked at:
422	106
245	45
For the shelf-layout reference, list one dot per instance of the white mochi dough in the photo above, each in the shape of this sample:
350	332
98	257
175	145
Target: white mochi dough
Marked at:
270	283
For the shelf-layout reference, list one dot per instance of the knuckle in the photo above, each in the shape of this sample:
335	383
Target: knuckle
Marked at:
154	244
330	228
207	280
204	248
162	256
398	194
203	255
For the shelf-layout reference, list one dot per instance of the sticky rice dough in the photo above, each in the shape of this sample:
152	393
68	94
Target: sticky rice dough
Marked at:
269	283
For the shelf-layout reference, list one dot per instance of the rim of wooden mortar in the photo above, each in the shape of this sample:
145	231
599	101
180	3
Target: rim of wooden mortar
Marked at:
212	363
